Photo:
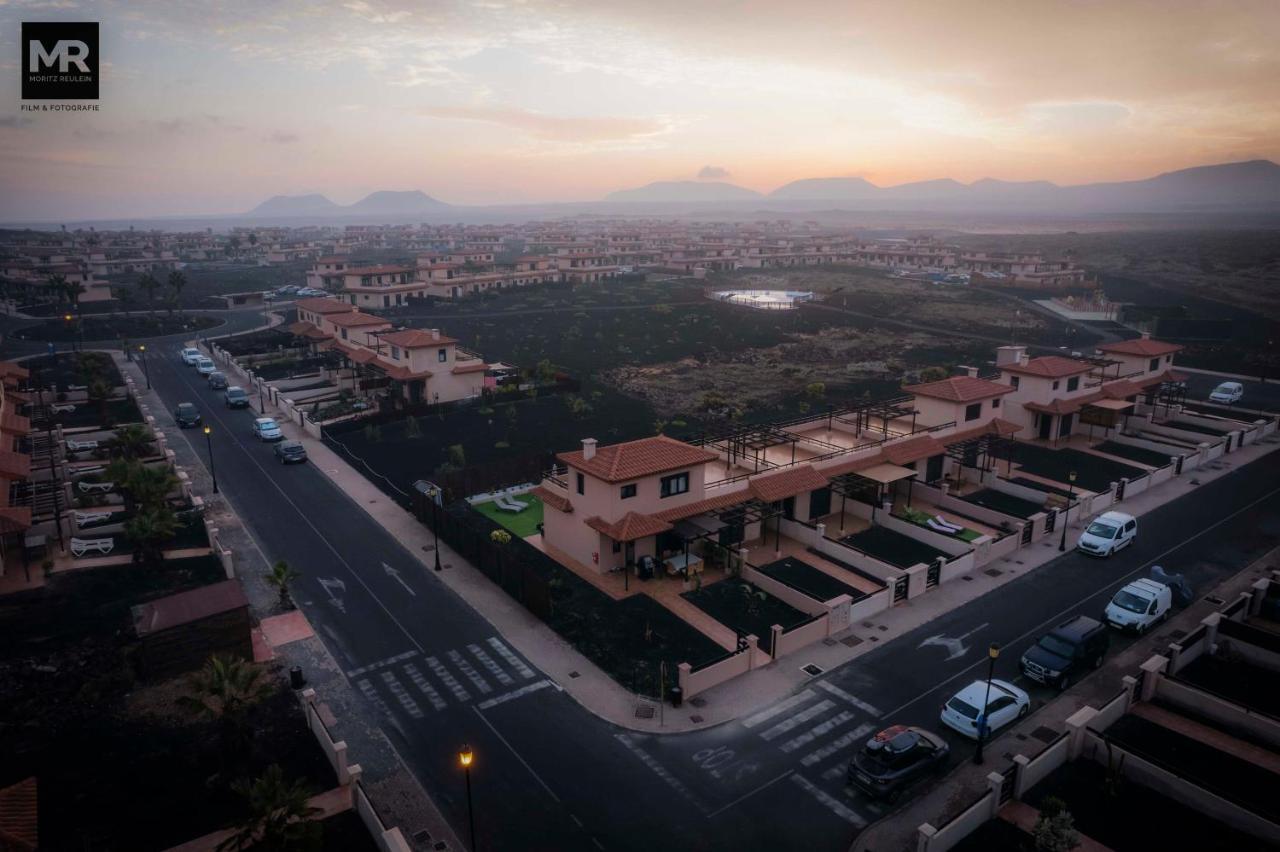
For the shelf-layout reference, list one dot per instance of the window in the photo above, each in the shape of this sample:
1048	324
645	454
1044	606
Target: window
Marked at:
582	484
995	403
1013	382
344	334
1055	385
973	412
1073	383
617	547
442	355
1168	359
677	483
1154	365
628	491
395	352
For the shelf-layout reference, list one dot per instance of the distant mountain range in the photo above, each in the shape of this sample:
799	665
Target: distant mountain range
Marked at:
384	203
1247	185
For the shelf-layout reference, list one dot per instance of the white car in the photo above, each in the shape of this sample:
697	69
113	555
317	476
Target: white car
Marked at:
1227	393
1108	533
190	356
205	366
266	429
1140	606
963	713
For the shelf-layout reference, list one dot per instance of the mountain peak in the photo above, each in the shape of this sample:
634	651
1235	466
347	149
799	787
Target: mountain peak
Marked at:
684	190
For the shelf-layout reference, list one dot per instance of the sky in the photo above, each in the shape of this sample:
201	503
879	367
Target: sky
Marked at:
212	107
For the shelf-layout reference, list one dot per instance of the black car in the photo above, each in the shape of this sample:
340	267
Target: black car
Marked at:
291	451
236	397
187	416
1062	653
896	758
217	380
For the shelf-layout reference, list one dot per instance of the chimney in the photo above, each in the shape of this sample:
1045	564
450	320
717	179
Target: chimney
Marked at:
1006	355
588	449
1146	335
435	334
971	372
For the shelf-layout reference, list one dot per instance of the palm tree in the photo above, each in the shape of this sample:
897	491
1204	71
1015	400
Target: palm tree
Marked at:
149	529
132	440
148	284
223	691
281	576
56	286
176	282
100	392
279	818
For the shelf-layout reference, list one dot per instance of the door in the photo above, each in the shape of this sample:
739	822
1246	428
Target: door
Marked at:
789	508
819	503
1002	711
629	553
1064	425
933	469
1046	426
1130	532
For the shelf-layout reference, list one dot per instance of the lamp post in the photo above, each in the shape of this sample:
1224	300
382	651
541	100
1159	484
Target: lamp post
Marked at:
262	402
1071	493
146	367
67	318
208	430
993	653
464	759
434	496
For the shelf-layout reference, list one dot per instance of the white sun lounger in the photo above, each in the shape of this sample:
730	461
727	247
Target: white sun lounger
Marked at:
61	407
76	446
937	527
81	546
91	487
943	522
85	518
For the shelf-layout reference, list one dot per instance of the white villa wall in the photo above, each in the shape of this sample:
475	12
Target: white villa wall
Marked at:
800	637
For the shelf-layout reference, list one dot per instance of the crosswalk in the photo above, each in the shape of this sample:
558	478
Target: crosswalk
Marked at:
417	684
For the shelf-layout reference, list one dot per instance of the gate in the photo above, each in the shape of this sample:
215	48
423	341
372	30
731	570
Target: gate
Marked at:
900	589
1010	776
1178	465
933	574
1050	521
1120	489
1028	530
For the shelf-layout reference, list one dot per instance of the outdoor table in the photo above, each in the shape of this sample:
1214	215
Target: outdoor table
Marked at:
682	564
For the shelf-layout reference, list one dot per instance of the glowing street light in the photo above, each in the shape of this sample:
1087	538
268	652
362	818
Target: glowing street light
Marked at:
465	757
208	430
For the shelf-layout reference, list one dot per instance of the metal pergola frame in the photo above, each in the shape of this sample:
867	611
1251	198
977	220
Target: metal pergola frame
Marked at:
746	442
859	414
984	446
1167	394
851	485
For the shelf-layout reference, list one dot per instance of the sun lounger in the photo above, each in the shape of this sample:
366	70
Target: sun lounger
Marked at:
508	505
937	527
941	521
77	446
62	407
101	487
84	519
81	546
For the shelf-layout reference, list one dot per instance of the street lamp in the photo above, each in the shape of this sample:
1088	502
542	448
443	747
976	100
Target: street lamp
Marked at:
993	653
1071	493
208	430
464	760
435	521
146	367
68	318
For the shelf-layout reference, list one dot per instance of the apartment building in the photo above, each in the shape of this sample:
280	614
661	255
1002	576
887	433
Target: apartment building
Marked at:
328	273
15	462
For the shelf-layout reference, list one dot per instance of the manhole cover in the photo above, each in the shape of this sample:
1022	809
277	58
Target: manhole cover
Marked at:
867	624
422	836
993	572
1214	599
644	711
828	642
852	641
811	669
1045	734
574	674
695	719
698	701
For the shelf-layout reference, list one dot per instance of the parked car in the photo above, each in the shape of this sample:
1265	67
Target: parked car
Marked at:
1108	533
205	367
218	380
187	416
190	356
1139	606
894	759
236	397
963	713
266	429
290	451
1063	653
1227	393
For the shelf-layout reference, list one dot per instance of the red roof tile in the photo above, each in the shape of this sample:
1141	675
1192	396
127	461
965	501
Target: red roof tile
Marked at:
913	450
631	526
413	338
14	424
322	305
376	270
15	518
996	426
854	465
19	820
959	389
1144	346
634	459
471	367
710	504
14	465
773	487
356	320
186	607
1160	378
552	499
8	368
1049	367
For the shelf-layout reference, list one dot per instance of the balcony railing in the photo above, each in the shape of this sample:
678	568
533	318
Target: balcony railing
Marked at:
558	476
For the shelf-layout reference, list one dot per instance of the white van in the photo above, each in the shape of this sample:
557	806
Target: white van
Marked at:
1227	393
1109	532
1139	606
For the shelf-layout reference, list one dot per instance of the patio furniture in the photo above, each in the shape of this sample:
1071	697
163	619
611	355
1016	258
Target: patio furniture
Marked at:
99	487
943	522
62	407
508	505
645	567
77	446
84	519
683	565
81	546
937	527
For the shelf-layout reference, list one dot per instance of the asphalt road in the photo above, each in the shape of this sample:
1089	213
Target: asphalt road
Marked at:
549	775
1259	396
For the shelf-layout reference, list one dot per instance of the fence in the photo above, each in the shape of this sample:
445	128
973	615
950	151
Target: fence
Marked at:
800	635
1031	771
1188	649
692	681
334	750
386	839
1205	704
960	826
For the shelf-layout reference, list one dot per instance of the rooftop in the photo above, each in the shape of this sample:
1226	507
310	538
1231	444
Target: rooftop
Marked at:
186	607
1049	367
634	459
959	389
413	338
1143	346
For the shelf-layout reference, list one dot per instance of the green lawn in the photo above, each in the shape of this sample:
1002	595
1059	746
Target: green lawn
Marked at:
522	525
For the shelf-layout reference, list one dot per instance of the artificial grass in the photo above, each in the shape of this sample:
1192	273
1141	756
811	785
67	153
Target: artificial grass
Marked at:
921	519
521	525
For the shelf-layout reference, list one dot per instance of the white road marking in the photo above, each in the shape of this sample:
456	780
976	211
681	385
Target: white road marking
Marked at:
372	694
836	806
512	660
834	772
378	664
818	731
855	701
405	699
488	662
797	720
836	745
420	681
449	680
470	672
515	693
661	771
523	762
781	707
724	808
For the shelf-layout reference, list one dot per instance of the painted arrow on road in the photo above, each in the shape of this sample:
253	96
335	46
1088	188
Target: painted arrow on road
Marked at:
331	583
395	575
954	645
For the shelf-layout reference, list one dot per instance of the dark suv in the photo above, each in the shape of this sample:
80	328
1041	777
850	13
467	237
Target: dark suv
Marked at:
1062	653
236	397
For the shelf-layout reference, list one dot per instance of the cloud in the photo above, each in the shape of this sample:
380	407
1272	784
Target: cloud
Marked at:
555	128
282	138
713	173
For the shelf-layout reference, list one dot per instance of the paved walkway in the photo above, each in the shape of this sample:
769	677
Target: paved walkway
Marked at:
1216	737
1025	817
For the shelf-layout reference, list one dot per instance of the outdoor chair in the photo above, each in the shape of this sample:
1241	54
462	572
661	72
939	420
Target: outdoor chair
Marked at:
937	527
77	446
84	519
81	546
91	487
945	523
62	407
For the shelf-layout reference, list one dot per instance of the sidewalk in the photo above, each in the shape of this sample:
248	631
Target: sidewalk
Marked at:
898	832
601	695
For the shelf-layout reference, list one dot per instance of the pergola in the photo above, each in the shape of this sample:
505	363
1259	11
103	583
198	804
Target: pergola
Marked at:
977	452
874	478
860	414
1104	413
748	442
715	522
1167	394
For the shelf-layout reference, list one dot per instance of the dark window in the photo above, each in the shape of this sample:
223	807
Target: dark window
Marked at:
995	403
677	483
617	547
1013	382
582	484
628	491
1155	364
442	355
973	412
1168	359
344	334
1073	383
1055	385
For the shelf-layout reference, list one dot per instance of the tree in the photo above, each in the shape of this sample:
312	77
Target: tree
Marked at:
149	529
56	286
457	457
279	817
933	374
545	371
222	692
132	440
281	576
817	390
148	284
1055	828
176	282
99	391
234	244
253	239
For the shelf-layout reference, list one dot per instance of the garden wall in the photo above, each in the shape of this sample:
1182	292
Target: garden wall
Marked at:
792	597
334	751
965	823
871	605
1153	446
386	839
1031	771
950	546
692	682
963	507
800	636
1185	696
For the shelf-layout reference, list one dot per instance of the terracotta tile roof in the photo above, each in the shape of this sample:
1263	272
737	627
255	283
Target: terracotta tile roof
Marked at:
299	328
356	320
912	450
996	426
413	338
710	504
19	822
634	459
854	465
1122	389
773	487
8	368
1160	378
15	518
1143	346
321	305
402	374
471	367
959	389
14	465
629	527
317	334
1049	367
186	607
376	270
552	499
1064	406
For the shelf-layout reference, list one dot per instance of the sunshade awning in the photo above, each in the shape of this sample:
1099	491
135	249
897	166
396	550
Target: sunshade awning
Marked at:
886	473
1111	404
